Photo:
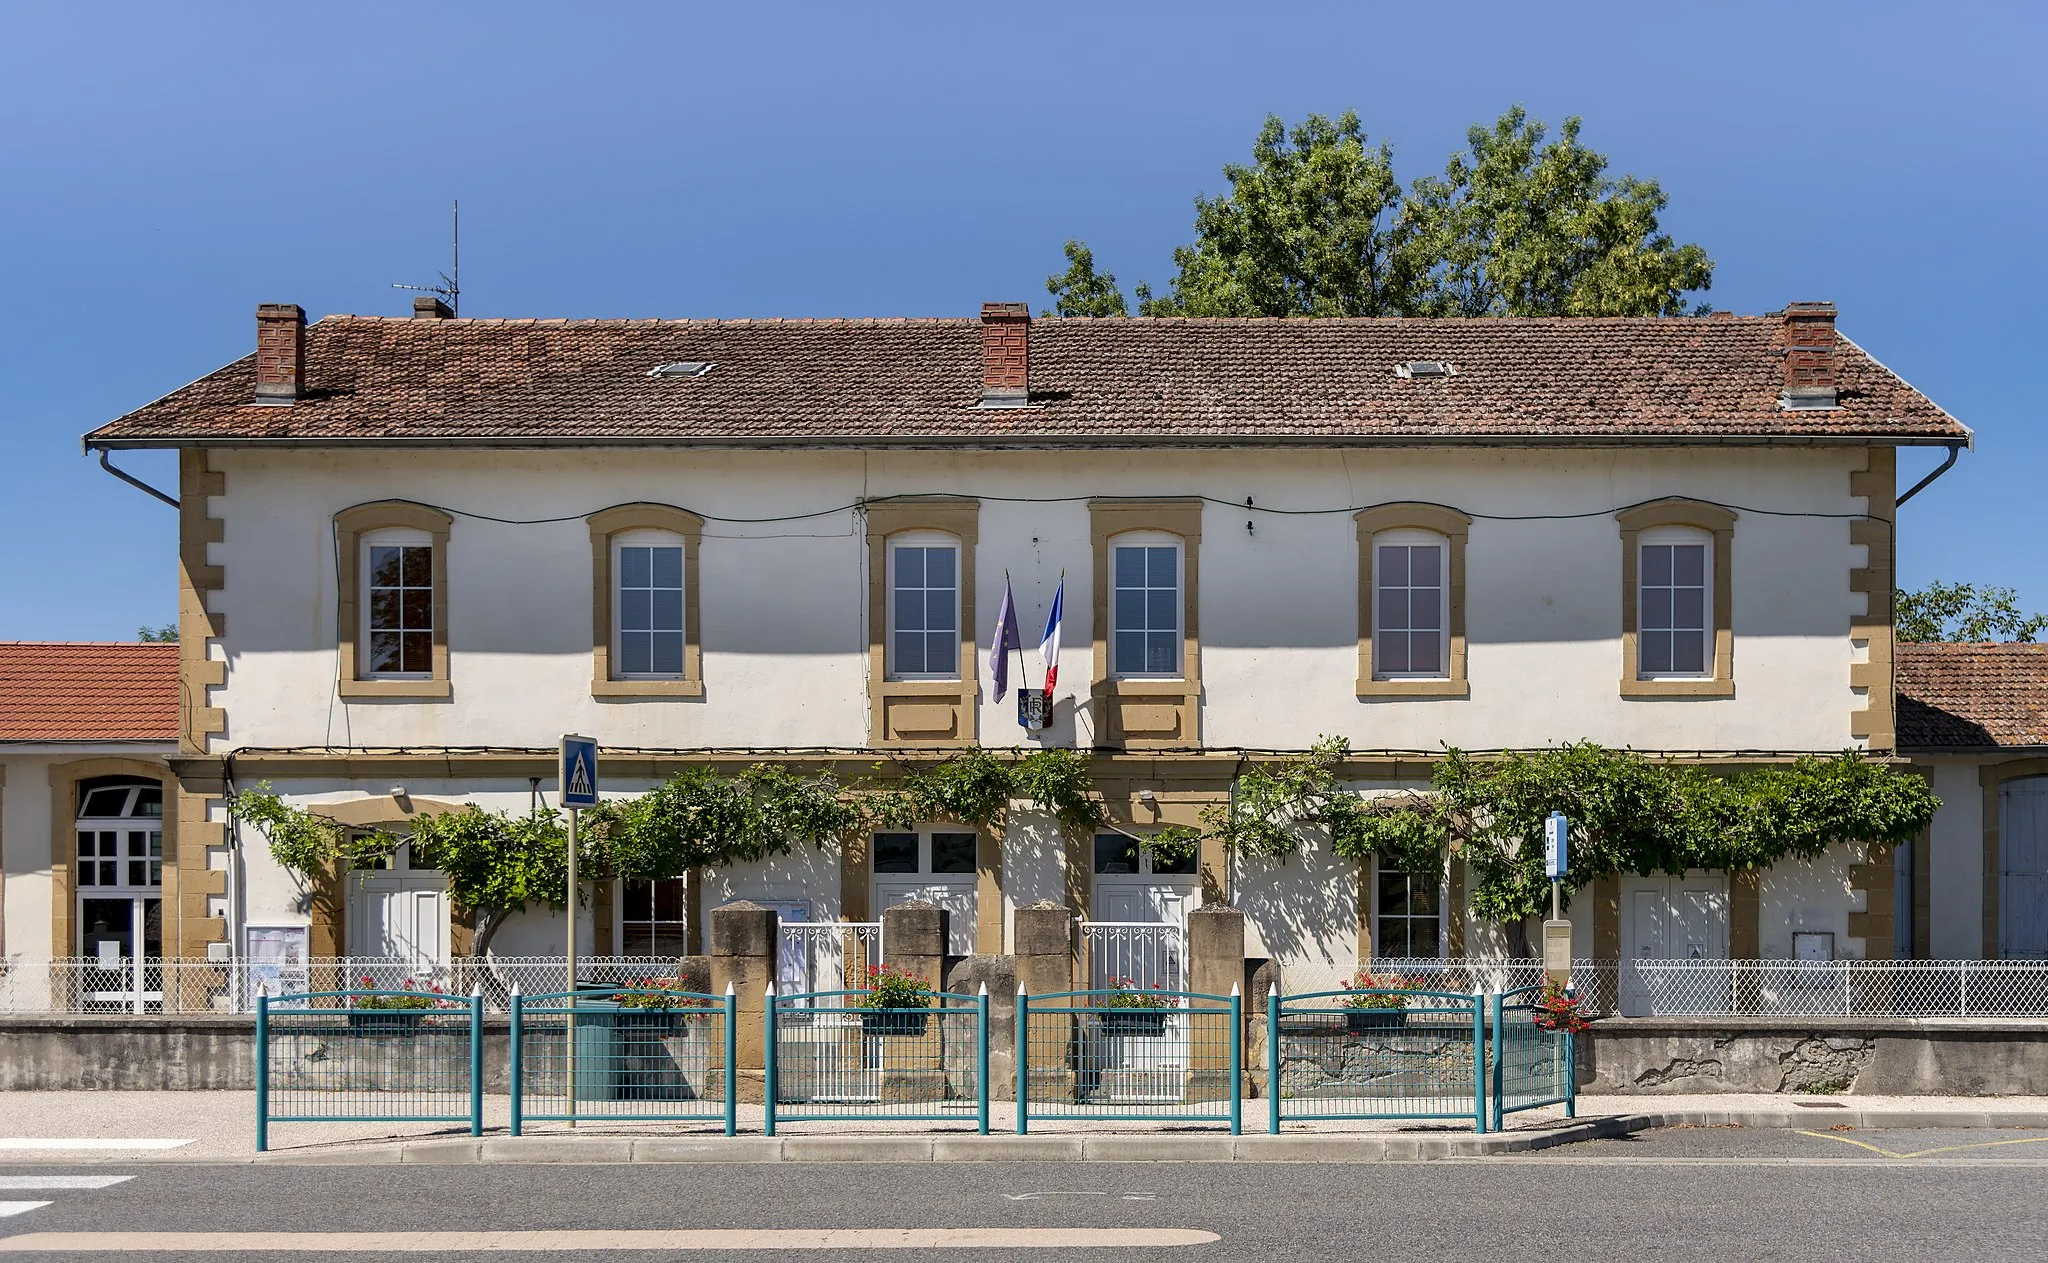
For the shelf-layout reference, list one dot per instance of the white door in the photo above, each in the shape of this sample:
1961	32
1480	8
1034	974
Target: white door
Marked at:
935	866
956	896
1668	919
400	913
1145	958
798	964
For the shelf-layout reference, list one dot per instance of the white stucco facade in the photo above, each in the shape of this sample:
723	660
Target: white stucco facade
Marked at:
783	608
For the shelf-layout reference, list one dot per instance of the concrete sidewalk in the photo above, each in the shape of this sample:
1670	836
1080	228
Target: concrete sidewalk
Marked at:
75	1127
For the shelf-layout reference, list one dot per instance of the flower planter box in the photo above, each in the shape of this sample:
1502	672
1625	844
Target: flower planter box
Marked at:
386	1021
911	1022
1135	1023
1376	1021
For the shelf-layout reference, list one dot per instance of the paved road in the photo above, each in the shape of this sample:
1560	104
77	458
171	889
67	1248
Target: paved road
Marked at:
1685	1194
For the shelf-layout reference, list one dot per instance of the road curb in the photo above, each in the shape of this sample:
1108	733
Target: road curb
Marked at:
1125	1147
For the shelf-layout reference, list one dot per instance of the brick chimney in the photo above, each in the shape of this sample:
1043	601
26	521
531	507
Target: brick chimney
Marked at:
428	307
1809	341
1005	355
280	352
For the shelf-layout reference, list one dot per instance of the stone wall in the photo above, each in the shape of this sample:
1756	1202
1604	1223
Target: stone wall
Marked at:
1903	1057
1867	1057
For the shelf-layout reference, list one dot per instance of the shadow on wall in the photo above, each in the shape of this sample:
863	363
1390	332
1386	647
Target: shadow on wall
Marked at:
1305	910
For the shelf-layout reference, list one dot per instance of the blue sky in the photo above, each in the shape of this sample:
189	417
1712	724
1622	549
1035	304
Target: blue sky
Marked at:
165	168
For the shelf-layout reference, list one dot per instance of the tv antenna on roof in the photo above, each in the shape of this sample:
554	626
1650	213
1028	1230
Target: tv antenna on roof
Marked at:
450	287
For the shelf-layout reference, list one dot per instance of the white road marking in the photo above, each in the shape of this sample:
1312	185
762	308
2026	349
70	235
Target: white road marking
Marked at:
19	1208
28	1183
1053	1192
633	1239
85	1142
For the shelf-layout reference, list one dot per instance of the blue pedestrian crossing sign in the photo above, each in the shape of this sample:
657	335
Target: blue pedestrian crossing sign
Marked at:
579	771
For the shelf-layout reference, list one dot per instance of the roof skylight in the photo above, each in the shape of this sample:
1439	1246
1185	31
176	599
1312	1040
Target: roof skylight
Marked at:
682	368
1426	368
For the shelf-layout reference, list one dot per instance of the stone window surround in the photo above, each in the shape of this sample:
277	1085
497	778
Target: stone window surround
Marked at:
64	780
1454	527
350	526
943	712
1148	702
1719	523
607	524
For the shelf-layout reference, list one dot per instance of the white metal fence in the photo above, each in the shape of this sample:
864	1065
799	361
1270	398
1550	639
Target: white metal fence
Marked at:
147	985
1764	988
830	956
826	955
1137	954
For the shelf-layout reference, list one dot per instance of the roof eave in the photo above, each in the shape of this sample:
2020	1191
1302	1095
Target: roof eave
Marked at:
1032	442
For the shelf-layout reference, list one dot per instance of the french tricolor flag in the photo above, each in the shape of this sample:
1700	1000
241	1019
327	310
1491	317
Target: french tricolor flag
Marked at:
1049	644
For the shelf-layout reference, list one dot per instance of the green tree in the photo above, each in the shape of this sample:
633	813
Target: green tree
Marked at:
167	634
1318	225
1965	612
1521	228
1081	290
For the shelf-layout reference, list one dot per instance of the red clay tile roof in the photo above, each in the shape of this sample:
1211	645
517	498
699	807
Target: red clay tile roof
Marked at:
1131	380
88	691
1972	696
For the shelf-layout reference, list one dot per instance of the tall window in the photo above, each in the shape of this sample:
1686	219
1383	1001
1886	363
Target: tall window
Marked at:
1410	632
1146	629
120	871
398	616
653	920
648	605
1410	915
1673	612
924	608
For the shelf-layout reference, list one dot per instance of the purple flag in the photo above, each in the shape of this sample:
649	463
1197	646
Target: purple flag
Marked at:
1006	640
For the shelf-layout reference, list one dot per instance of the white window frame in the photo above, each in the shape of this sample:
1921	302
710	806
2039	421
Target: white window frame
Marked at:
136	895
1152	539
387	537
1656	536
921	539
648	538
622	923
1412	537
1443	914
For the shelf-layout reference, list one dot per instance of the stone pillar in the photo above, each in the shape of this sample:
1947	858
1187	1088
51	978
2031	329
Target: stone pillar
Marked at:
743	942
914	940
919	1062
1215	965
1043	938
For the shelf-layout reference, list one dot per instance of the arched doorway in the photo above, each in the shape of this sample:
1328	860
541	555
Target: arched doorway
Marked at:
119	869
2023	868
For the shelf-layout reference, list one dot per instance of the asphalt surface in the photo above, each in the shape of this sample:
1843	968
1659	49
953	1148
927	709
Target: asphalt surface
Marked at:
1680	1194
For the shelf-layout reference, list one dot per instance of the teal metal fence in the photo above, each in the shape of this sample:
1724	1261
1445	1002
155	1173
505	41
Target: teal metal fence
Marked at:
1177	1057
624	1053
1375	1054
830	1060
1532	1067
348	1057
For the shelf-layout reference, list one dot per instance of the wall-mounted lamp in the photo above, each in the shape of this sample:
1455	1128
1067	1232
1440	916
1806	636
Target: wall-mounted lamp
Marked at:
1146	796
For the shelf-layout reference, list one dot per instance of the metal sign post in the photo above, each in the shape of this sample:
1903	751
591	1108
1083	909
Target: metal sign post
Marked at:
1557	932
578	789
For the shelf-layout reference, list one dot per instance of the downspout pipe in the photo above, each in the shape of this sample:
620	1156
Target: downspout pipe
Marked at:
133	481
1954	450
